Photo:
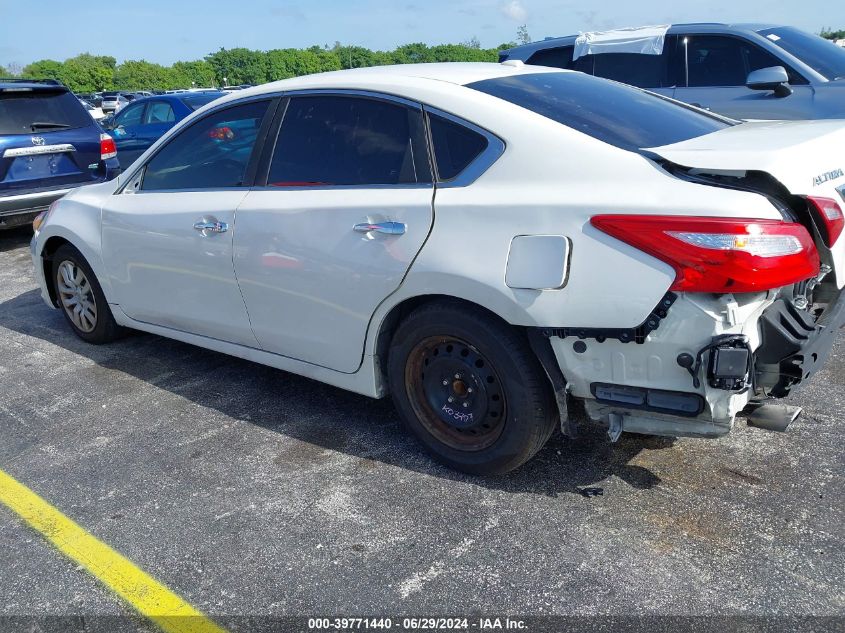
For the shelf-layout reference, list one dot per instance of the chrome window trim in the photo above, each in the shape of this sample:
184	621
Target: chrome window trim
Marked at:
352	92
349	92
483	162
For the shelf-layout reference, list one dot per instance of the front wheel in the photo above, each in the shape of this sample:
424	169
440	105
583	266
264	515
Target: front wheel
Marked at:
469	388
81	298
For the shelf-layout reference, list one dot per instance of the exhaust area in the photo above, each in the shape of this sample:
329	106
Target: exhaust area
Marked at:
771	416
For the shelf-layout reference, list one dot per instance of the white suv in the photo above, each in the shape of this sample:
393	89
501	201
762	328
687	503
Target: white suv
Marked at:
494	245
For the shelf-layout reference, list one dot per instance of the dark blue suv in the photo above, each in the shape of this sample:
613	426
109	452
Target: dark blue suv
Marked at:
49	144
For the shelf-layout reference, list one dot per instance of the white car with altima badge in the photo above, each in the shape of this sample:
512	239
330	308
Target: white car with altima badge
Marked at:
500	248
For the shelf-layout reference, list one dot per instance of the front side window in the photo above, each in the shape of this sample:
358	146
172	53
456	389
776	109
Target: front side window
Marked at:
455	146
159	112
714	60
347	140
620	115
212	153
130	116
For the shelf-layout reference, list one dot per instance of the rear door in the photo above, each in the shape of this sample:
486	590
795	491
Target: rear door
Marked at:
346	207
712	71
47	140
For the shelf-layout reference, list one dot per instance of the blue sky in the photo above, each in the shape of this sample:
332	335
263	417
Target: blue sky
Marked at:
165	31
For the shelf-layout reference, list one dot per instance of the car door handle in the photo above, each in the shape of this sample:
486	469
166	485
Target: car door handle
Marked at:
211	227
387	228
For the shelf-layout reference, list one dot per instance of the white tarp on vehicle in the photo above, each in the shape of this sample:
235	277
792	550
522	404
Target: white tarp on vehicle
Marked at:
645	40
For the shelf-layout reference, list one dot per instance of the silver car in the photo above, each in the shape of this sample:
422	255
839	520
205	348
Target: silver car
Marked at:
744	71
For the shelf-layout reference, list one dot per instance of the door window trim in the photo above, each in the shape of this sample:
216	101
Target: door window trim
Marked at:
263	173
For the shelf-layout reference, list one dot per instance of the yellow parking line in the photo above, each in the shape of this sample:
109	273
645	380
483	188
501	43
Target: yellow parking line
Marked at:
152	599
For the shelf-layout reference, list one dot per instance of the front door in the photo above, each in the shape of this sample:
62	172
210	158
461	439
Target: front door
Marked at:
167	242
347	206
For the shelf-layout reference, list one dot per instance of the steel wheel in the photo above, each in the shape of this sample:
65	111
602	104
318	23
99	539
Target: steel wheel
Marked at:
456	393
76	296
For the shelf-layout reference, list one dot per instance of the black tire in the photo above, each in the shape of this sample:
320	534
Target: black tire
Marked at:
502	409
104	329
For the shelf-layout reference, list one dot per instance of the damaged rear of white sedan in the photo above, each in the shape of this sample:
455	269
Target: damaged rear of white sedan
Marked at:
500	248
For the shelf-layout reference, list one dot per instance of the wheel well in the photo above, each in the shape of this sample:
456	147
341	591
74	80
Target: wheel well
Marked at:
50	248
401	310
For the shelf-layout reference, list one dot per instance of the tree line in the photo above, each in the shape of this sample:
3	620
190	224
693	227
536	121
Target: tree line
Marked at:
235	66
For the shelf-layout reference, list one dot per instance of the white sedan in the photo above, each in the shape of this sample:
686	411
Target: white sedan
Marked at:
501	248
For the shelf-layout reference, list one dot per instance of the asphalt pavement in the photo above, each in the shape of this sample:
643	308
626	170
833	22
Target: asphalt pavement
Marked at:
250	491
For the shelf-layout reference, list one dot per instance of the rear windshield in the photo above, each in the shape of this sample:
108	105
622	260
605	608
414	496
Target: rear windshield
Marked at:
40	111
109	95
822	55
195	102
611	112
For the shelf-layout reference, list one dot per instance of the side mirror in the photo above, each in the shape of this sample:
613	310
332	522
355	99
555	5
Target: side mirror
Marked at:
108	122
773	78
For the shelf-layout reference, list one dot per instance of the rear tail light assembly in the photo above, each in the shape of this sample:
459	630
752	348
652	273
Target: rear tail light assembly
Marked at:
829	212
107	147
720	255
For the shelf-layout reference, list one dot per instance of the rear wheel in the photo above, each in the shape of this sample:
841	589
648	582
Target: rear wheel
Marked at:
469	388
81	298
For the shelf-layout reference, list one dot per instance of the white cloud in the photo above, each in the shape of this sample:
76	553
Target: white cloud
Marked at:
515	10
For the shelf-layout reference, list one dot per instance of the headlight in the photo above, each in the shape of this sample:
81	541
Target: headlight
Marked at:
41	218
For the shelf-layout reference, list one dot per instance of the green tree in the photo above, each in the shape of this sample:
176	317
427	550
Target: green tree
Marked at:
239	66
359	57
88	73
284	63
43	69
416	53
522	35
829	34
198	74
140	75
4	72
462	53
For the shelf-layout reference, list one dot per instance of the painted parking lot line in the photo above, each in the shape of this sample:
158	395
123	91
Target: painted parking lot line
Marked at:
148	596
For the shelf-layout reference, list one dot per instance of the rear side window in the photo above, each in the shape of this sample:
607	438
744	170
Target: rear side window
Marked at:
643	71
341	140
560	57
455	146
212	153
159	112
40	111
614	113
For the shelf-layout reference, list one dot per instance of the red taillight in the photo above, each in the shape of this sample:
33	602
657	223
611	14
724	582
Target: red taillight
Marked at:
831	216
107	147
720	254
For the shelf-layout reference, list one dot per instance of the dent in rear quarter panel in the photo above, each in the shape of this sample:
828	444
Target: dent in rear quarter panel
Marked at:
77	219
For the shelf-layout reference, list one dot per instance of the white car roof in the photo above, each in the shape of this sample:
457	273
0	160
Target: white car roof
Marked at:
377	77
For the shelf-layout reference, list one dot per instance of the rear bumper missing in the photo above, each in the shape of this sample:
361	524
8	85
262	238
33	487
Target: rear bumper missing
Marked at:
794	345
